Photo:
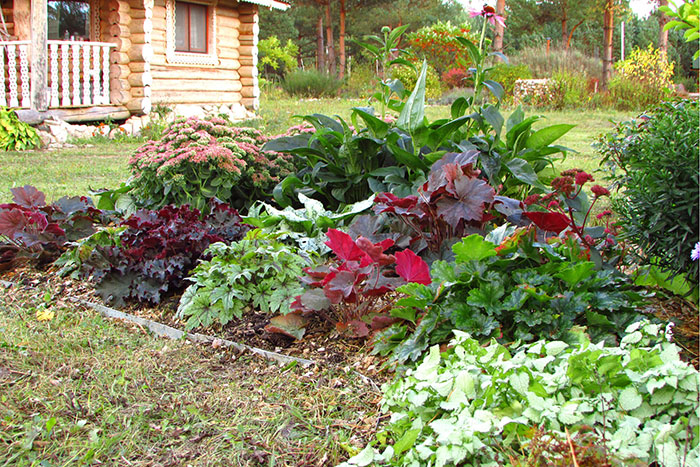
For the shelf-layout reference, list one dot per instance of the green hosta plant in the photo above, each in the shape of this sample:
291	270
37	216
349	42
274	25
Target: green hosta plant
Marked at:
258	271
16	135
306	226
475	404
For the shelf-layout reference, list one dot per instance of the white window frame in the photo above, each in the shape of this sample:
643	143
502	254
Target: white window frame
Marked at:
174	57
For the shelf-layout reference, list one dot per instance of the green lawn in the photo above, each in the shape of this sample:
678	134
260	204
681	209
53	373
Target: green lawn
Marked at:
78	389
75	171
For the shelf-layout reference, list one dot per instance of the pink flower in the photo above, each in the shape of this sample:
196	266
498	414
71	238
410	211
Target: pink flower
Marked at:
489	13
695	254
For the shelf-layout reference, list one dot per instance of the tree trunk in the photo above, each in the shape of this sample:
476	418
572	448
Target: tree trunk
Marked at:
663	35
571	33
320	47
564	26
608	21
341	40
498	39
330	42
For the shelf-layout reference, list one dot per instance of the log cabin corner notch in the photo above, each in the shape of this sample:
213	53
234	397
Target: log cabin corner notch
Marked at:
116	58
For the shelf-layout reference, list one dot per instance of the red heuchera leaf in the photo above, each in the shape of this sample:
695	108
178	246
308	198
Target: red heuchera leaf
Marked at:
549	221
376	250
28	196
412	268
12	222
341	287
470	196
389	202
345	248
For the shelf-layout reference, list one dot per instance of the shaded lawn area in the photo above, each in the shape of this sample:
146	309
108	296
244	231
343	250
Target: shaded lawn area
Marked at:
78	389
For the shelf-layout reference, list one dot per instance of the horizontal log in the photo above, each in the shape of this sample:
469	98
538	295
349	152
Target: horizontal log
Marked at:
119	57
196	86
139	106
139	13
141	38
120	6
119	30
82	114
140	79
227	55
247	81
170	98
119	97
120	84
119	71
249	102
141	92
141	52
246	50
248	91
139	67
188	72
159	23
123	44
159	11
246	29
246	61
228	22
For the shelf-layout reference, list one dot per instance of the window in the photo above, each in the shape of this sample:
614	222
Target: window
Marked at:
190	27
71	20
191	32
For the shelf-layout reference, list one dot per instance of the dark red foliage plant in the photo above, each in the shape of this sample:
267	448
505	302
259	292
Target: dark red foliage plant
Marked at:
357	291
454	202
157	250
34	230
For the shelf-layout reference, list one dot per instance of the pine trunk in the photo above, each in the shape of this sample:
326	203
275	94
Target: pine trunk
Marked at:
330	42
341	40
320	47
498	38
663	35
608	21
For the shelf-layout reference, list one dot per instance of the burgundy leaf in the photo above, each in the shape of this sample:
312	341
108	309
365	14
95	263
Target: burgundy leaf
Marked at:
389	202
315	300
412	268
356	328
28	196
340	287
549	221
12	222
376	250
382	321
471	194
345	248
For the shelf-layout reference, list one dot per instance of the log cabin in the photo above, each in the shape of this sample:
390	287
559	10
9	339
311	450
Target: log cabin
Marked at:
84	60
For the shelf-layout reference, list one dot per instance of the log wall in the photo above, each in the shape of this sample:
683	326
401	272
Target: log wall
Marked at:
8	14
228	82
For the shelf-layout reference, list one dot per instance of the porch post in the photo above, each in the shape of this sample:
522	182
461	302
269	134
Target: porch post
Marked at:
39	55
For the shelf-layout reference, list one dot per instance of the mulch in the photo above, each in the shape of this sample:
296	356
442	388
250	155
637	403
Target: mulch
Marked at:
322	343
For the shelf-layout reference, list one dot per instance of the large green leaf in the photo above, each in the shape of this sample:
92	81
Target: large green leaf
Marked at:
413	113
523	171
547	135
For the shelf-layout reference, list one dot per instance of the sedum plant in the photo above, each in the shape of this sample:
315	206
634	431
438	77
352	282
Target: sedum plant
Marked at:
257	271
200	159
477	404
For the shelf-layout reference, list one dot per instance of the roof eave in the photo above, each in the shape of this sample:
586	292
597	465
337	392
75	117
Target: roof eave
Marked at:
282	6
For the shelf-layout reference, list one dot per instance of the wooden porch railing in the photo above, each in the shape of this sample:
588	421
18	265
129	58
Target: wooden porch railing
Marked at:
78	74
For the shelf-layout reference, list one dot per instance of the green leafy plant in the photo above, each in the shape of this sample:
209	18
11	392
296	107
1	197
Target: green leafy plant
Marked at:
685	18
475	403
654	162
512	289
310	83
408	77
386	52
257	271
507	75
306	226
16	135
200	159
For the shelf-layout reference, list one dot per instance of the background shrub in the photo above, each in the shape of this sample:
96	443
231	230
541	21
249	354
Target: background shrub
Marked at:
361	81
656	168
276	59
311	83
197	160
572	90
642	80
438	44
455	78
408	78
507	75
